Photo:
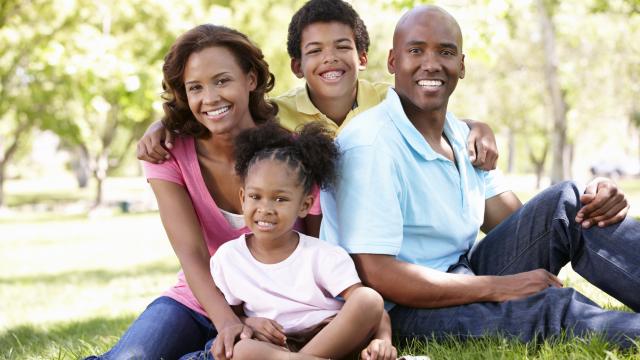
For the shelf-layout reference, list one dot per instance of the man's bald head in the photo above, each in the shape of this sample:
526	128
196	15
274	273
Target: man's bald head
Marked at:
426	13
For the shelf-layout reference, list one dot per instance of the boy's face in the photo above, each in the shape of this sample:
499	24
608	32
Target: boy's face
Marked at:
329	61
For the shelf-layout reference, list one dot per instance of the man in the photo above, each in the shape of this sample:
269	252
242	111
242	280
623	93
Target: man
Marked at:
409	204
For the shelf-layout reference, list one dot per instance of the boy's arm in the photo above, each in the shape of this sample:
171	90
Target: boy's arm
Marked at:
150	147
481	144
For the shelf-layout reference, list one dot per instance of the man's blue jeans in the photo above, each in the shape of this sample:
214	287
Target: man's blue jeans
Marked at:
165	330
543	234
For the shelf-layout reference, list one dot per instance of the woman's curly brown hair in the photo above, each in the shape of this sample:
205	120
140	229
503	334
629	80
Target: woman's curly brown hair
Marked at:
178	117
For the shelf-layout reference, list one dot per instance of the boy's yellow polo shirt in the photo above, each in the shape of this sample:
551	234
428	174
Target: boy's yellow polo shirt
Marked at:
296	108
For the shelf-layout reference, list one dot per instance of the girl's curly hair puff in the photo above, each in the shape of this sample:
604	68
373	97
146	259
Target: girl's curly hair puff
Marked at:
311	152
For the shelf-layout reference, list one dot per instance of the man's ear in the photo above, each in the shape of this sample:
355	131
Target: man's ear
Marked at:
363	60
462	69
307	202
391	62
296	68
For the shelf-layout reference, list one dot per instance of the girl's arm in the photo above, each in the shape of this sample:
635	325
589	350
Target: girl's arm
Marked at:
183	229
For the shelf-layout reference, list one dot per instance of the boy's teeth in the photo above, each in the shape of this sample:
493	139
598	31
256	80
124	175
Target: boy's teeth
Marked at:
264	223
430	82
218	111
330	75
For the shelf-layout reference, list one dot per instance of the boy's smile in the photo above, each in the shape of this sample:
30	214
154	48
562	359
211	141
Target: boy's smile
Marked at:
329	61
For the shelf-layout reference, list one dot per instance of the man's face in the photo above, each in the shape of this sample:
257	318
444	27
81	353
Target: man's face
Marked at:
329	61
427	61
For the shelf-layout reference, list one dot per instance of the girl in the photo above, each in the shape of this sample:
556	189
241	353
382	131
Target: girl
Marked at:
215	81
284	281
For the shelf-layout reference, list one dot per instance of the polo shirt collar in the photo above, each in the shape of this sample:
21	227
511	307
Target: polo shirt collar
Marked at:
409	132
304	104
366	97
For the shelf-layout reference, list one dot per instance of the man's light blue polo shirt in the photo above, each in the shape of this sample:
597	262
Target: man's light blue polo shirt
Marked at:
397	196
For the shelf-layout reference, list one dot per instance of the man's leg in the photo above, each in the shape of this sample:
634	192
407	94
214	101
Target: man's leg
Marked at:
540	316
544	234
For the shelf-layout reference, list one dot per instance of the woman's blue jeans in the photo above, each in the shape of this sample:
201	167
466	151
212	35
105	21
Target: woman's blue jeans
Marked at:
543	234
165	330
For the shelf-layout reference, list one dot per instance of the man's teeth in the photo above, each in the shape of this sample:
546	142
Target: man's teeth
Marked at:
430	83
219	111
330	75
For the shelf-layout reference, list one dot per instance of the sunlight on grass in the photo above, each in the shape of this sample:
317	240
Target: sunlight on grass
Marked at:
72	283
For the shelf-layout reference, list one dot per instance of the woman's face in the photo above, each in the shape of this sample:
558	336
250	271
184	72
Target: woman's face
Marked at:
218	90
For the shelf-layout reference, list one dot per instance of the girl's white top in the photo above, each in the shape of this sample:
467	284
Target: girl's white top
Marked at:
298	292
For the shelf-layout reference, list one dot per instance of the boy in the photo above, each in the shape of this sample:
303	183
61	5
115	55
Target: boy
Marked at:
328	44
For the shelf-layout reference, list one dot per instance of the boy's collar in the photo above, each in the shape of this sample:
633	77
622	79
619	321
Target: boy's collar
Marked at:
305	105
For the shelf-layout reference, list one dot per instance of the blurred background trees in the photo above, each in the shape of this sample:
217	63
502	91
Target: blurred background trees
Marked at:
559	81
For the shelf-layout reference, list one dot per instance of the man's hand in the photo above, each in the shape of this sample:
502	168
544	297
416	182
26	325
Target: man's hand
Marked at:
266	330
222	348
603	203
518	286
481	144
150	147
379	350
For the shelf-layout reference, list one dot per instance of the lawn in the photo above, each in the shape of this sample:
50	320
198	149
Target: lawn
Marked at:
70	284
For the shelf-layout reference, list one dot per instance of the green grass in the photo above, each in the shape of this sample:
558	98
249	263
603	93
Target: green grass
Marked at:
70	284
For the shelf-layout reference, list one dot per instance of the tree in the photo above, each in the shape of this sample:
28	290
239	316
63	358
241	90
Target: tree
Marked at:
116	82
27	80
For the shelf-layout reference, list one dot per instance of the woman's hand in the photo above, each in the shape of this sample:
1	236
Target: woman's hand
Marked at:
222	348
266	330
379	350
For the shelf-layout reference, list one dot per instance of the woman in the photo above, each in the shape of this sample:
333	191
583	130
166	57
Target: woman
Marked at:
215	81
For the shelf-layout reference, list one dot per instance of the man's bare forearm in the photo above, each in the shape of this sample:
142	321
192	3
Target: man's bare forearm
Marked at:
417	286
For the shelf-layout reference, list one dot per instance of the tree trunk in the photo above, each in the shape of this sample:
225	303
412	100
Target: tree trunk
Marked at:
2	169
558	103
100	174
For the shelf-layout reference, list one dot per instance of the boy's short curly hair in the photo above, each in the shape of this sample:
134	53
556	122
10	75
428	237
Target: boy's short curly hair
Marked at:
325	11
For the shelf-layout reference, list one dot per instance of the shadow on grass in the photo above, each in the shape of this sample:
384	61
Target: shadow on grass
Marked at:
69	340
92	276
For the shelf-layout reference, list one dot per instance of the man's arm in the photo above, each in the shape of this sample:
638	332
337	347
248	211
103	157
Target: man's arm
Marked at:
498	208
421	287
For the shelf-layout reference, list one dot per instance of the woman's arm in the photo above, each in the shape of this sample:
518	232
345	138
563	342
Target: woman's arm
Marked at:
183	229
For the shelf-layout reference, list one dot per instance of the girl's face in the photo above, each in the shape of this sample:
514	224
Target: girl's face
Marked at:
218	90
273	199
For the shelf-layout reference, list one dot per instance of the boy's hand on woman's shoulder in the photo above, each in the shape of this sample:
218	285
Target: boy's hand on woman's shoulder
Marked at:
379	349
481	144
